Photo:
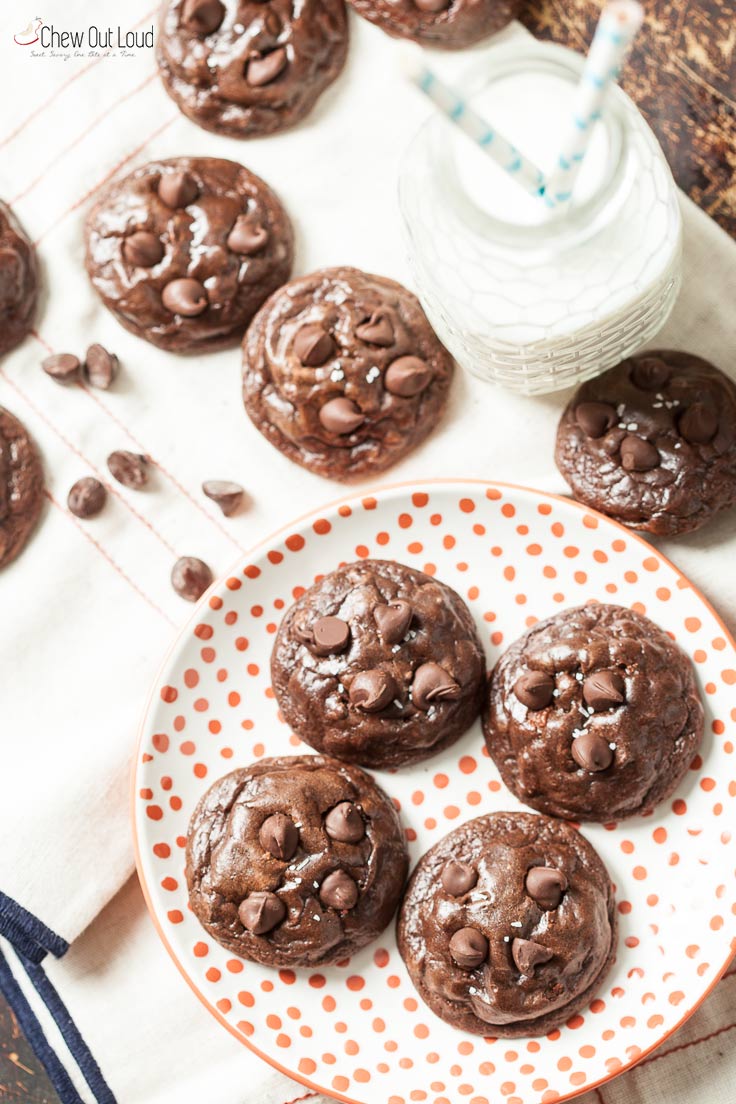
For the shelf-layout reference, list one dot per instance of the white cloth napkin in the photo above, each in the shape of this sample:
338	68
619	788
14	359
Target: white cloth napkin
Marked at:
87	609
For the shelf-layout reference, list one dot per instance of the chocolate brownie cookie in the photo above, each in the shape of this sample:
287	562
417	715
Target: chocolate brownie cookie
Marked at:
343	372
446	24
18	281
379	664
593	714
184	251
508	925
298	861
21	486
250	68
652	442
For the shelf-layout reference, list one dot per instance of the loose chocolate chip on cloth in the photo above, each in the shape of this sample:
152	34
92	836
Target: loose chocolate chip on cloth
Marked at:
446	24
295	861
21	486
397	676
201	286
652	442
87	497
62	367
343	373
18	281
619	727
190	577
508	925
250	69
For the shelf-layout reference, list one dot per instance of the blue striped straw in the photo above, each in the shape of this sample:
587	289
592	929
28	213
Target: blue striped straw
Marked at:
487	137
617	27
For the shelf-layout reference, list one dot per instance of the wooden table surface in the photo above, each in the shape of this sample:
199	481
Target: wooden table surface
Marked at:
682	74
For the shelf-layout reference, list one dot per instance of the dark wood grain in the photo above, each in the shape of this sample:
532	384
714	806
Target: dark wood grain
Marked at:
22	1077
682	75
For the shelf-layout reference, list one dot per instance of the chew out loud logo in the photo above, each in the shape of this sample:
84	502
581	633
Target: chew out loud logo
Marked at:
47	36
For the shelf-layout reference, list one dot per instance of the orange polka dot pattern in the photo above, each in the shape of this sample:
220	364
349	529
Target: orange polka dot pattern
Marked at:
516	556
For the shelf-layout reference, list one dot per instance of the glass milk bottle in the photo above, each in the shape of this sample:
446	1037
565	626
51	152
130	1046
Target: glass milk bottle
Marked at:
527	297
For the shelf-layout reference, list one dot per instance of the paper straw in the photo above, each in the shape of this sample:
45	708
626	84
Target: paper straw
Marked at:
619	22
487	137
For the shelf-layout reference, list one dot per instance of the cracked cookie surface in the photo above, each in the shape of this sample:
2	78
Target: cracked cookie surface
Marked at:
508	925
295	861
593	714
378	664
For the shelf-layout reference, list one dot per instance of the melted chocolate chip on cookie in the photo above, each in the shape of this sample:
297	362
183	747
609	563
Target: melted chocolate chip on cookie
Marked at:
445	24
298	861
652	442
378	664
343	373
620	730
185	251
250	69
477	935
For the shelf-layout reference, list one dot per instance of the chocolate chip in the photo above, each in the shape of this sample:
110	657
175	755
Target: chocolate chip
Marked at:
595	418
177	189
63	367
699	424
190	578
202	16
341	416
87	497
372	691
432	5
591	751
313	345
408	376
186	297
129	468
534	689
432	683
604	690
226	494
376	330
344	823
260	912
263	68
545	885
248	235
279	836
528	955
458	878
330	636
650	373
393	620
100	367
468	948
338	891
143	249
638	455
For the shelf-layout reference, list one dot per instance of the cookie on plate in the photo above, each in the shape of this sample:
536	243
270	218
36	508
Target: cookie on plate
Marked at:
508	925
21	486
379	664
296	861
445	24
593	714
184	251
250	69
343	373
18	281
652	442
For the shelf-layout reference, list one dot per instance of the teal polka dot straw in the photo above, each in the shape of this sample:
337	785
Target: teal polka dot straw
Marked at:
498	147
619	22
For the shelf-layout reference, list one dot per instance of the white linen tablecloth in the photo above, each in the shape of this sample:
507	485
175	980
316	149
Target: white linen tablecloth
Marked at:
88	610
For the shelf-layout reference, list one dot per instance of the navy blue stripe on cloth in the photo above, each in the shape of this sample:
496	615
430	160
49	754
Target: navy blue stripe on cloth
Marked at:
26	932
33	1031
70	1033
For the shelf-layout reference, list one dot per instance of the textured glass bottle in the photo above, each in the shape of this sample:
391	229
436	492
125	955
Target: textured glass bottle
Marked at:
538	307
